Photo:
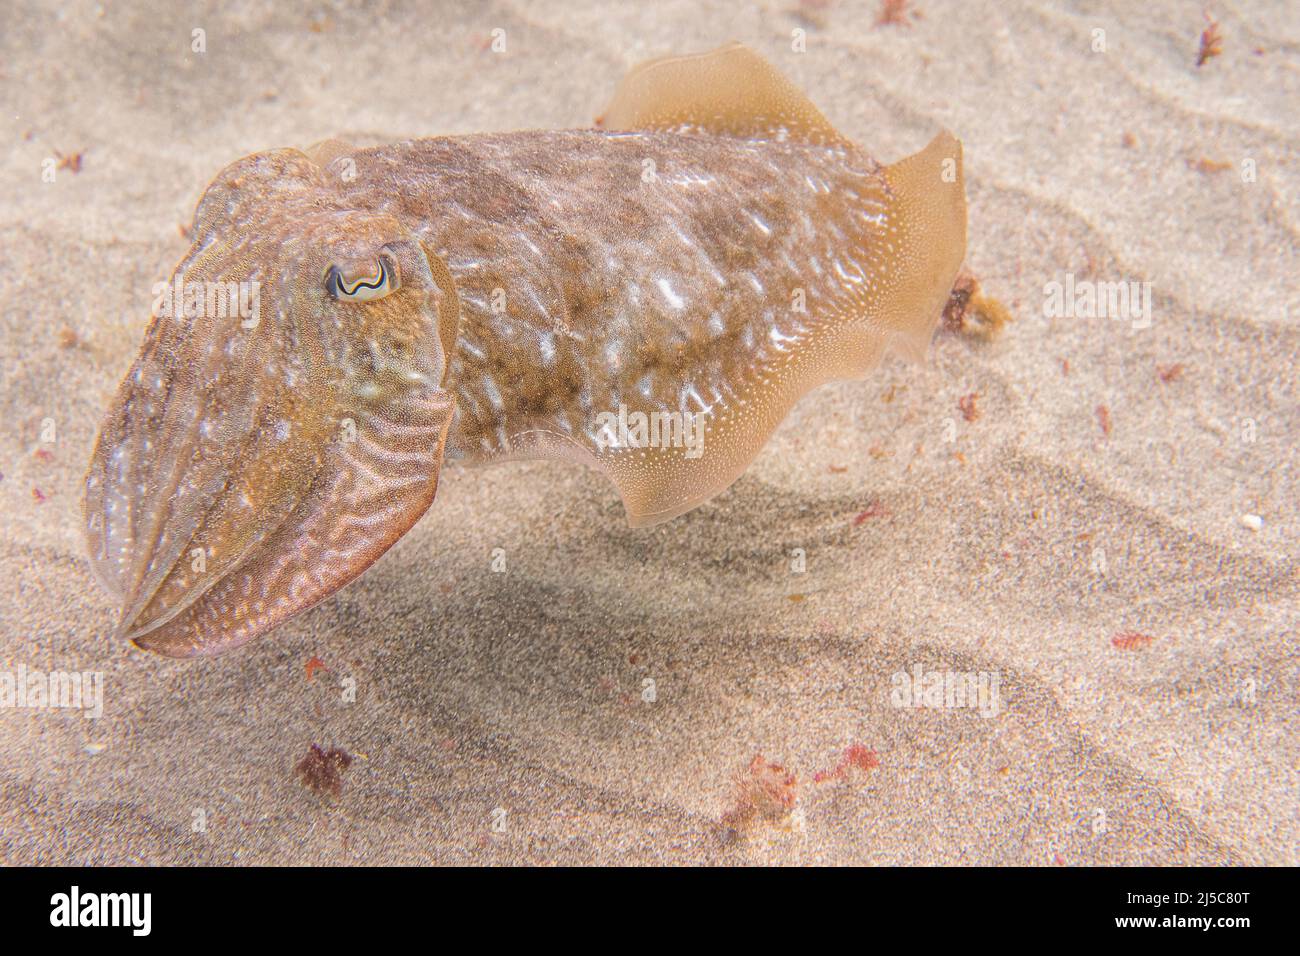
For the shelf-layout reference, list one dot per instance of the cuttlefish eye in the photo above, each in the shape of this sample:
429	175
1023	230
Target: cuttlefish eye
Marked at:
372	284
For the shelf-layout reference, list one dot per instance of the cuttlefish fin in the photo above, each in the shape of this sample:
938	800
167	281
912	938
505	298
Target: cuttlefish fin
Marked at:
327	150
912	274
730	91
927	213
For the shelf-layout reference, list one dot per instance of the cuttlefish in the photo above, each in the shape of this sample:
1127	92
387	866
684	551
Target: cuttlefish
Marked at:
649	297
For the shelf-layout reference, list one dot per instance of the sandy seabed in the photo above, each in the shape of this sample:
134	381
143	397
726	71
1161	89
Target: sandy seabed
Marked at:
1075	529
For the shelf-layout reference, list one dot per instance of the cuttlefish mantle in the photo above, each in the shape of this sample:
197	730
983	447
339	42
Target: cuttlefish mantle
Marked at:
650	297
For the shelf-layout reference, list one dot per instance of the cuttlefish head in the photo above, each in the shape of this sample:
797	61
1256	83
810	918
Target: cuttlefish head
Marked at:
284	421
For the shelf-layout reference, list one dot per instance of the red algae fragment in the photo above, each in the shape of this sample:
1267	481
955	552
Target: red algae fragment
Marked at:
861	757
967	403
1131	641
1169	373
954	310
765	793
855	756
873	510
322	770
969	312
1103	419
895	13
1211	41
314	665
71	162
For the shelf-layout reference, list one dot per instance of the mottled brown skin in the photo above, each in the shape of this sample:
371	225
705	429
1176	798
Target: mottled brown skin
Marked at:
575	239
717	250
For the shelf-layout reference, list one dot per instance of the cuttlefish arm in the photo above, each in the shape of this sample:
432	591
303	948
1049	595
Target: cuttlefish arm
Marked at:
257	459
251	465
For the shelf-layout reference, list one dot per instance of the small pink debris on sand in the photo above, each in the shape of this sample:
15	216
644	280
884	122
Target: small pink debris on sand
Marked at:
1211	40
1131	641
322	770
765	793
1103	419
969	409
873	510
895	13
857	755
70	162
